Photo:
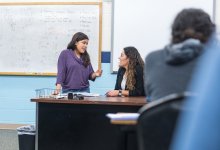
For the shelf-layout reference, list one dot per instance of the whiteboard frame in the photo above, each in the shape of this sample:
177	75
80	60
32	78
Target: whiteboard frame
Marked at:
55	3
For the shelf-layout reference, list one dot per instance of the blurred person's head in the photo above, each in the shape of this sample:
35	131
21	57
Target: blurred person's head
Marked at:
192	23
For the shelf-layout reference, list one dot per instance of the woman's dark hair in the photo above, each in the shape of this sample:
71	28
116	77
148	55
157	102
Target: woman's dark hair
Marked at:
134	60
192	23
79	36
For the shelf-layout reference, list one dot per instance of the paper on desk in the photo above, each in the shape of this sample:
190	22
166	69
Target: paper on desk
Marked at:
88	94
123	116
59	96
85	94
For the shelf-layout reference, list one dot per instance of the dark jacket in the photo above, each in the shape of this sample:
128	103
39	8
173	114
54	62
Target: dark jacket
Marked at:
170	70
138	87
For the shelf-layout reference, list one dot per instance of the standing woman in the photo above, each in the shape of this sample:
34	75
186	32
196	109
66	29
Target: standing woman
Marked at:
130	74
74	66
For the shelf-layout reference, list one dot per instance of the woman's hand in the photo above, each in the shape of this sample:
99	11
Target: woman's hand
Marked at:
98	73
58	89
112	93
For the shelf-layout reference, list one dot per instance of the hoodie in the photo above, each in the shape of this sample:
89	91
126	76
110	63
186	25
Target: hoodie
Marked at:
169	70
184	52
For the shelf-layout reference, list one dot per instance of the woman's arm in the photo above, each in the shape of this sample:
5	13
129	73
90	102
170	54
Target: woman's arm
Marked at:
61	73
114	93
98	73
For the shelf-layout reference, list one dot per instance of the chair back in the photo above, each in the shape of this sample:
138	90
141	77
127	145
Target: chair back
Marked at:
157	121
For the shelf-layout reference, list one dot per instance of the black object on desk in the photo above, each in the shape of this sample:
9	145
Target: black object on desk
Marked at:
72	96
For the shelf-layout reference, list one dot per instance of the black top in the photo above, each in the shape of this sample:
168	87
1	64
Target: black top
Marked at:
170	70
138	87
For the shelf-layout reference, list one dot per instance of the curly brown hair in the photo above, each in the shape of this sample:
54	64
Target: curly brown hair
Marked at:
192	23
134	60
79	36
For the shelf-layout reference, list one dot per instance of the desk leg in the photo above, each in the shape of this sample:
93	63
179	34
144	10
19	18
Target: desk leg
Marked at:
36	126
122	142
127	138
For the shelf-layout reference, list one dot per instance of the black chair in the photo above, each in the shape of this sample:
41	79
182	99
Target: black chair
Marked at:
157	121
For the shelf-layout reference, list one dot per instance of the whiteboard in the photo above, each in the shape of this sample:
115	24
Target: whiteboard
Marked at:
146	24
33	35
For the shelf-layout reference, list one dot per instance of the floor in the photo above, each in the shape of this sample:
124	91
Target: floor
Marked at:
9	136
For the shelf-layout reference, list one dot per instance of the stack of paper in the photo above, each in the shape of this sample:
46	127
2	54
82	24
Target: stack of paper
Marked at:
87	94
84	94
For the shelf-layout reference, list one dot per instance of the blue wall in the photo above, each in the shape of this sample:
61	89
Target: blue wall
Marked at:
16	92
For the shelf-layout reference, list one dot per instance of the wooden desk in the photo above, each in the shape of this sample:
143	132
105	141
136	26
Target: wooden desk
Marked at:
80	124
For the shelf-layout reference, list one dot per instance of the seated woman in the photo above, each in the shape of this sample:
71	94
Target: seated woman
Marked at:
170	70
130	74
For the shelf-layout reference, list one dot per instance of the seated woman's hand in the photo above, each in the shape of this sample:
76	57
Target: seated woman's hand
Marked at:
112	93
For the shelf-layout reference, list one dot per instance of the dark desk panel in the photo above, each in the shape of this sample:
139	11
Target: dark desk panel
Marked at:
81	125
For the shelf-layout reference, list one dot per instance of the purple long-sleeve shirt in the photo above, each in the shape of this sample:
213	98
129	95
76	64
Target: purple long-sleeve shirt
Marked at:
71	72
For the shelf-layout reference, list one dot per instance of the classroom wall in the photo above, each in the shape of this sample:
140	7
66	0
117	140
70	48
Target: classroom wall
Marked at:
16	91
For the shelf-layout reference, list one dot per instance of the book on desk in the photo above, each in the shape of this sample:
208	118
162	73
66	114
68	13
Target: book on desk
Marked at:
123	118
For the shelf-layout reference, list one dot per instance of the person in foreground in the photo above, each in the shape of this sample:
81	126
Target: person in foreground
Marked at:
74	66
130	74
169	70
199	128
